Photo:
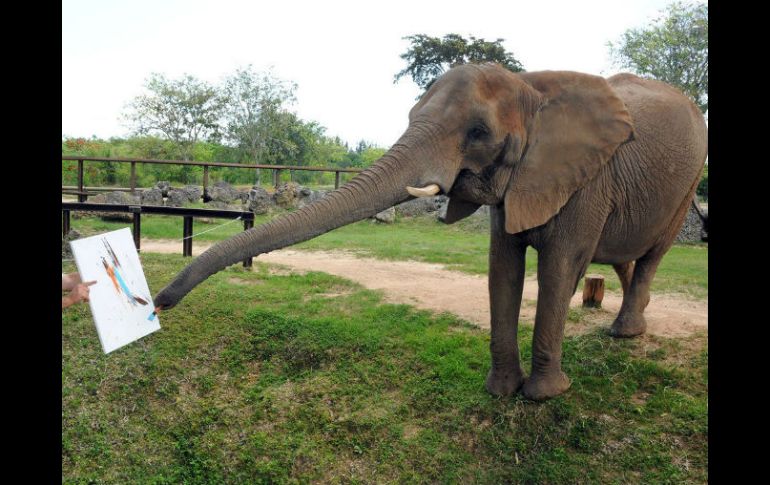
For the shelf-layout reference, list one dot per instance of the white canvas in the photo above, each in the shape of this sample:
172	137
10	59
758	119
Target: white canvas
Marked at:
121	302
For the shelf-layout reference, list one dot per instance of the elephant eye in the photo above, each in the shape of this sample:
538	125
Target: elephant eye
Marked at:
477	132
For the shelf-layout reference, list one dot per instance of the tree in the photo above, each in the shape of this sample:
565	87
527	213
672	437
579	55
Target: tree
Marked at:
183	110
429	57
674	49
256	119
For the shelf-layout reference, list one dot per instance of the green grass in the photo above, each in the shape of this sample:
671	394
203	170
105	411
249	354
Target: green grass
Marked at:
284	378
463	246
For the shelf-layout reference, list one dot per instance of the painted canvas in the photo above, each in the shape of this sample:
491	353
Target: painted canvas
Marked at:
120	300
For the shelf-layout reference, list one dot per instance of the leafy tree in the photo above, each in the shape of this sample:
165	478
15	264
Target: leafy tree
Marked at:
429	57
185	111
256	120
674	49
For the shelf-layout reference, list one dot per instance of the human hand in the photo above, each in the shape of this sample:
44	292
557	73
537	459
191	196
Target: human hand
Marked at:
80	293
69	281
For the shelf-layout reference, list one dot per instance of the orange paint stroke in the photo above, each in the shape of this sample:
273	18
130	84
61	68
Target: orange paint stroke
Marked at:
111	274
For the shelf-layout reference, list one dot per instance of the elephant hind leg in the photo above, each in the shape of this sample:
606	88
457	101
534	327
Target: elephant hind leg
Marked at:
625	271
630	321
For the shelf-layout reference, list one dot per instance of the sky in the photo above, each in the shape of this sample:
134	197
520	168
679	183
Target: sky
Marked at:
343	55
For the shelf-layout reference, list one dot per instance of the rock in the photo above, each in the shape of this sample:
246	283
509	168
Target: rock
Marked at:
388	216
66	251
286	195
307	196
176	198
163	186
123	198
193	193
421	206
222	191
692	229
119	198
259	200
218	204
152	196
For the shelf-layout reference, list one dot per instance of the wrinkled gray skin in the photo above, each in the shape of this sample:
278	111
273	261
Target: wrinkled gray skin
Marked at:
583	169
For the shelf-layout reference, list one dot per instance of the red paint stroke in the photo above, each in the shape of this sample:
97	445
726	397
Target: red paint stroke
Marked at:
114	257
140	300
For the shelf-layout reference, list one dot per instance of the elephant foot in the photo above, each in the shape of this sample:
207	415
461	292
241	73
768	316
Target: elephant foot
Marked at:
504	383
545	386
628	325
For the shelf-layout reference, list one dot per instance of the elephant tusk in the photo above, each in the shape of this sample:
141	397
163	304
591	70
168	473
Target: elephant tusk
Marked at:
427	191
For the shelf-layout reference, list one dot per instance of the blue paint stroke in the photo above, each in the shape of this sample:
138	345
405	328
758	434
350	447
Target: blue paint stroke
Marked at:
125	288
151	317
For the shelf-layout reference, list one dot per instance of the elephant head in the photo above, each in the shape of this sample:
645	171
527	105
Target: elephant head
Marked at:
482	135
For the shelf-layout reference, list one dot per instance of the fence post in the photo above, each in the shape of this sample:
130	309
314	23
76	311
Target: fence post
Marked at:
336	180
593	291
291	175
65	222
187	234
276	177
247	224
205	182
137	211
133	180
81	197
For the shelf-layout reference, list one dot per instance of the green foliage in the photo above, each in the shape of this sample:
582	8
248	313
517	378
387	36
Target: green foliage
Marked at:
183	110
186	119
257	123
429	57
674	49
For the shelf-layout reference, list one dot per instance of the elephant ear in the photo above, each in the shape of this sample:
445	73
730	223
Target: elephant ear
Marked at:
577	128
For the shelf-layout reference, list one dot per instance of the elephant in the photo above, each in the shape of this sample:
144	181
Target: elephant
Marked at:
581	168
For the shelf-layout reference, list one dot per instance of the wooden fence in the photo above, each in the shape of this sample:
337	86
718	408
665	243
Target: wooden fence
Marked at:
83	192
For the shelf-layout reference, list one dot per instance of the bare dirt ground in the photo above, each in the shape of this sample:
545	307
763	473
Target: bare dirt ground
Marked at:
432	287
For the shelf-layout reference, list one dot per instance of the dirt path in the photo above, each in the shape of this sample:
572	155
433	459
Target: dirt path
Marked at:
432	287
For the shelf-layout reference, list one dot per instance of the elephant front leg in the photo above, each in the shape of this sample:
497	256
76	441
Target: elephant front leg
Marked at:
506	284
557	281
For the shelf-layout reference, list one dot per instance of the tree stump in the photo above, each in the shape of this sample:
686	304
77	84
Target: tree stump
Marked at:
593	291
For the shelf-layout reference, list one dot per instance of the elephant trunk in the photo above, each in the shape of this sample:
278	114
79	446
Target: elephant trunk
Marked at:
379	187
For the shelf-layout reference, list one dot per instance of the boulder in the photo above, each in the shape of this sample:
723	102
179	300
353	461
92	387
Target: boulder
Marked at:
286	195
421	206
176	198
153	196
222	191
218	204
123	198
692	229
163	186
259	200
192	193
307	196
388	216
